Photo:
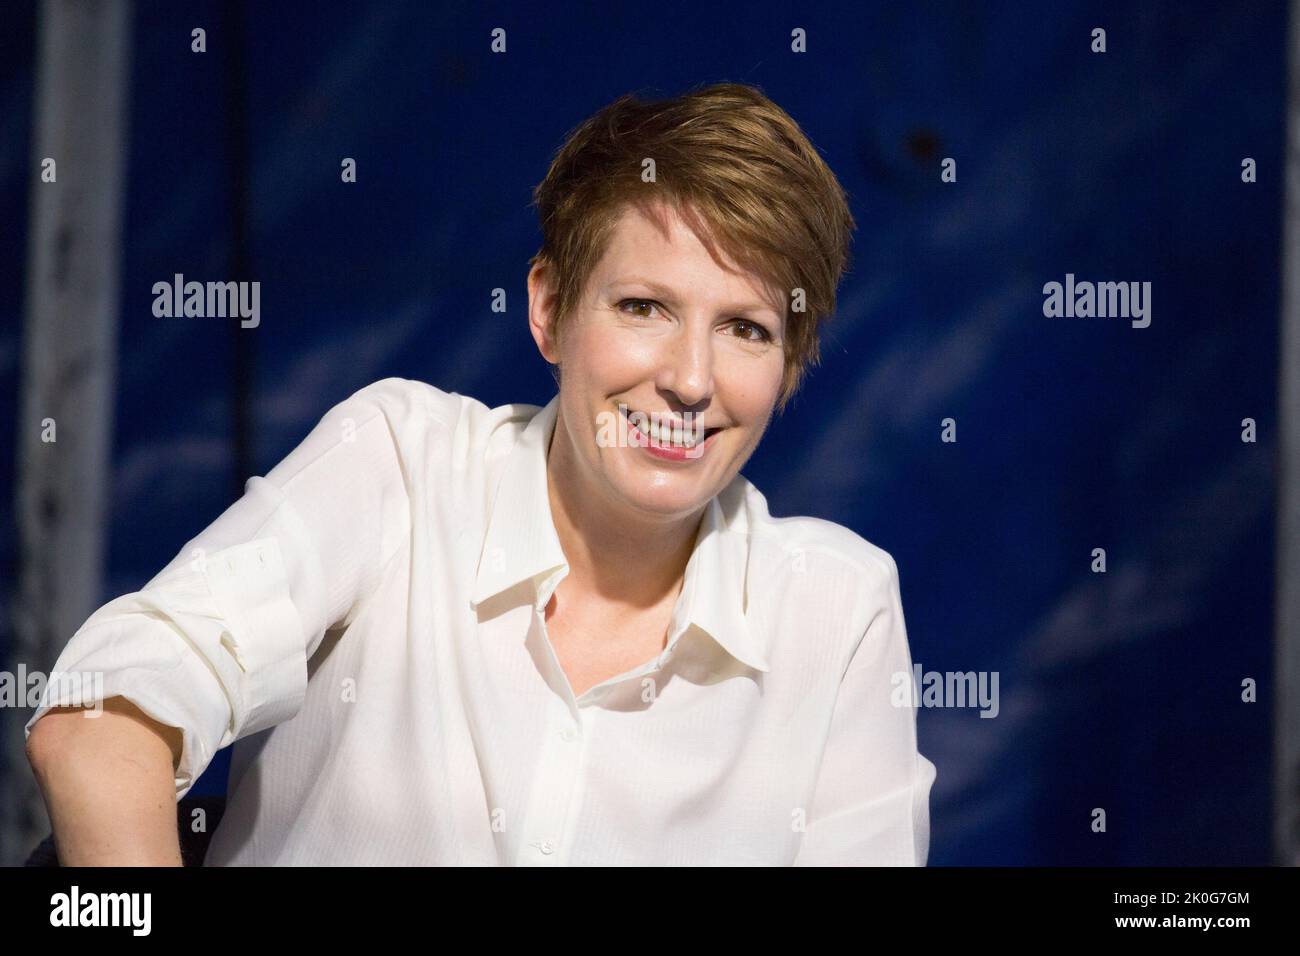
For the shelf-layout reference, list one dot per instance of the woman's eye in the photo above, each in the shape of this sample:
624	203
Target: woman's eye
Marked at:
759	334
750	331
637	303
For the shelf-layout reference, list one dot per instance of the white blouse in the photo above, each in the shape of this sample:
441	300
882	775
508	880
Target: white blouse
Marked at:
366	626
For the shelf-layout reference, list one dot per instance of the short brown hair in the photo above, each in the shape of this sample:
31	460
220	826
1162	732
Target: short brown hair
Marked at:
731	163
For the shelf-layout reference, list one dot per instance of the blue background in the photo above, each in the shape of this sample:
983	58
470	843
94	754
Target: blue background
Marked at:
1118	690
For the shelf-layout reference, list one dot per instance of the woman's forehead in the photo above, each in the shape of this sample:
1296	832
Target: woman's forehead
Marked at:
670	256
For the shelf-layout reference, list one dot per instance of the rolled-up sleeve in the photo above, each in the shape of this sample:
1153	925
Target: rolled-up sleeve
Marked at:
872	797
217	643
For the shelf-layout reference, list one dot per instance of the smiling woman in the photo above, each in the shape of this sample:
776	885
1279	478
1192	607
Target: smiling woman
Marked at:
746	181
552	644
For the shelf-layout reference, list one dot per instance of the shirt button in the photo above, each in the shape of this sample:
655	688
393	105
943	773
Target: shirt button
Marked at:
568	735
547	848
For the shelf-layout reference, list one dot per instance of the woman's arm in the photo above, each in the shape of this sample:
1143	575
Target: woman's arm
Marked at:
214	647
871	802
108	784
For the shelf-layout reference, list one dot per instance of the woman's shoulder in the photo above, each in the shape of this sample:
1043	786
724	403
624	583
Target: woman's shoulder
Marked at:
410	397
828	577
805	537
417	406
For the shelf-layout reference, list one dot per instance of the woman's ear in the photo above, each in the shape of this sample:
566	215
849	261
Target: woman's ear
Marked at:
541	300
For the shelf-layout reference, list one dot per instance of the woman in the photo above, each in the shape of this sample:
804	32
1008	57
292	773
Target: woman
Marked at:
443	633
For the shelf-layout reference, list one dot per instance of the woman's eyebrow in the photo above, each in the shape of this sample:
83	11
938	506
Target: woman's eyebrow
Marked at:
669	296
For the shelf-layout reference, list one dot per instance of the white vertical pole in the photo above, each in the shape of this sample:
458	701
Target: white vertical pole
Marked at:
69	359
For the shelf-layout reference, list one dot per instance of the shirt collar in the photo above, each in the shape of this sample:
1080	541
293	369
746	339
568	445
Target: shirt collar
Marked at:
521	544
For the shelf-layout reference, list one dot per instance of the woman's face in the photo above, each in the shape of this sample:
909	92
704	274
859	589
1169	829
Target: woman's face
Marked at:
663	334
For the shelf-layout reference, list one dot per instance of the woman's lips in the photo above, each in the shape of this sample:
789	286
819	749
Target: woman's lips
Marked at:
668	451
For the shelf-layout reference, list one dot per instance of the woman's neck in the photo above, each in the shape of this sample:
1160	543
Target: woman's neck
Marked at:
628	558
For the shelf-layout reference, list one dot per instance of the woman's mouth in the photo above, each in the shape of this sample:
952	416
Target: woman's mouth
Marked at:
668	438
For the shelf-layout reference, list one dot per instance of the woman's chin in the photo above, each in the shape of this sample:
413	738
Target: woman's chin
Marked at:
673	498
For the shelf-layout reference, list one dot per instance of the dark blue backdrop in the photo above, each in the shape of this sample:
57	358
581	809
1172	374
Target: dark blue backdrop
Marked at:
1118	690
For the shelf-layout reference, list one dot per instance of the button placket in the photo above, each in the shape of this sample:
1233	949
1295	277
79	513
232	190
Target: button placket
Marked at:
557	792
554	786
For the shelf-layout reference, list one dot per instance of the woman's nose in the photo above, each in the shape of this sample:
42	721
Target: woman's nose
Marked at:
686	367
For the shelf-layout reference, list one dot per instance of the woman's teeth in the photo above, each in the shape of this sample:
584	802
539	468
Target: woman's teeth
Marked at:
685	436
